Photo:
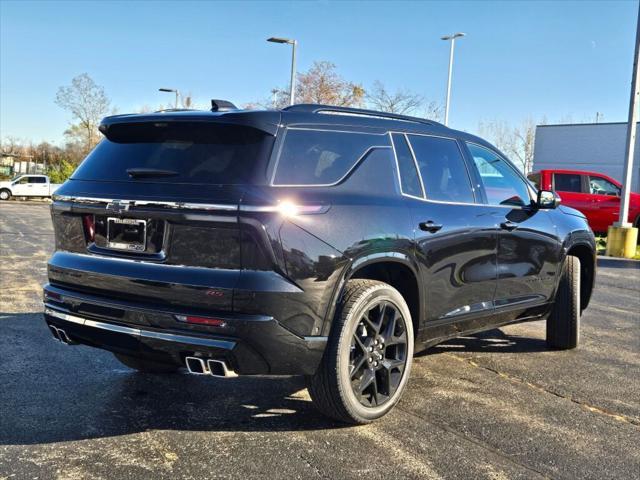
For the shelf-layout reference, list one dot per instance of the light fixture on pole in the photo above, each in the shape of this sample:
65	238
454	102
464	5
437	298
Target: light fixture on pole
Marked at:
294	44
171	90
452	38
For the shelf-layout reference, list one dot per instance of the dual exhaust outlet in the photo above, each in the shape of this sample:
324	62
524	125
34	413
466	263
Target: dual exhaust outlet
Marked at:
195	365
209	366
60	335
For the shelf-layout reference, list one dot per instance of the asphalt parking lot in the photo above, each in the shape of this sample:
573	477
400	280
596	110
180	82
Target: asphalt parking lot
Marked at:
497	405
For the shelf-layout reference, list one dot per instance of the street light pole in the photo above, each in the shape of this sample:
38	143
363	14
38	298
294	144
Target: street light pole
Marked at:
448	99
631	134
292	91
171	90
621	236
292	84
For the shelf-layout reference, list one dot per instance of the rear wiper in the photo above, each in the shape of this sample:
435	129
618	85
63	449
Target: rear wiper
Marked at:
150	172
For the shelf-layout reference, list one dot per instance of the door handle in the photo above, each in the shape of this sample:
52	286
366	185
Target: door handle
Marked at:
430	226
508	225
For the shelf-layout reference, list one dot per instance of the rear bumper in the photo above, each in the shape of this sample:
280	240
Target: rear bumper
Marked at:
250	344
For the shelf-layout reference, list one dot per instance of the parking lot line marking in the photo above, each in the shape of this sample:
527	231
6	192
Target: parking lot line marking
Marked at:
600	411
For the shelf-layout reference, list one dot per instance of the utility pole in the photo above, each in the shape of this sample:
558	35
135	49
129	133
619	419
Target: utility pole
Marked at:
622	237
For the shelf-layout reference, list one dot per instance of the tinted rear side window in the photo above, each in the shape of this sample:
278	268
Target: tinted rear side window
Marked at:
565	182
444	173
37	180
409	179
190	152
321	157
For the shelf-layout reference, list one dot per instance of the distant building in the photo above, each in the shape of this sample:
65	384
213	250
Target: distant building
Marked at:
12	164
597	147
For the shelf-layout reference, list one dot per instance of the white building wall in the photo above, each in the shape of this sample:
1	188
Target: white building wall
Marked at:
595	147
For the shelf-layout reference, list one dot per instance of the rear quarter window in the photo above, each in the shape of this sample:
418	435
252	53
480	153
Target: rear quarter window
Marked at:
321	157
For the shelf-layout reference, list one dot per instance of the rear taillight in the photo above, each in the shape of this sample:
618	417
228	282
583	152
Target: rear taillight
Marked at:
89	222
51	295
214	322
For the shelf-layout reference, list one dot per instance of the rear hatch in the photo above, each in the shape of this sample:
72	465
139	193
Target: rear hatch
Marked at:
156	205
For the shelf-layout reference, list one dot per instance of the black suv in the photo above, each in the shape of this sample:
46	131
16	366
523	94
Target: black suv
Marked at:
321	241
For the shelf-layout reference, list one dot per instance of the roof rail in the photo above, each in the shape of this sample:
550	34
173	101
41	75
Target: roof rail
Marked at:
316	108
169	110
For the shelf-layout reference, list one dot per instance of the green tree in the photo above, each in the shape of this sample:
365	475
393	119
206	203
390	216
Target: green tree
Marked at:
61	171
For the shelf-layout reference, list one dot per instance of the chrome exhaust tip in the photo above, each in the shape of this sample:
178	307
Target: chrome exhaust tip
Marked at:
64	338
219	368
196	366
54	332
60	335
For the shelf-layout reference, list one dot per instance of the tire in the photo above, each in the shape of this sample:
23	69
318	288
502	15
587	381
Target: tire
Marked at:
347	354
5	194
563	324
145	366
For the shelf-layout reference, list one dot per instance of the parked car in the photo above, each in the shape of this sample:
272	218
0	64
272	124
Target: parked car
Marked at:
594	194
320	241
27	186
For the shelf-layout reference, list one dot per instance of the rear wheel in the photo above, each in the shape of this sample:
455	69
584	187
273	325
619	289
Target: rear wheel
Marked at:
368	358
563	324
5	194
145	366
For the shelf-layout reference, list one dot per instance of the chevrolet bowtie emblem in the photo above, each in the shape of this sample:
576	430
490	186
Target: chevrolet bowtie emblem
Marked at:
118	206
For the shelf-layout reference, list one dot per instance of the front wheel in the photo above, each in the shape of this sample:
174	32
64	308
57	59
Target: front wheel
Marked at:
368	358
563	324
5	194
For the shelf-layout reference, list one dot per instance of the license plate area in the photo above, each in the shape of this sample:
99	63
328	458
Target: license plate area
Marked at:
126	234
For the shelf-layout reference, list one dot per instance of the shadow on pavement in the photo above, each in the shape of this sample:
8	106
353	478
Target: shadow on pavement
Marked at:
50	392
492	341
56	393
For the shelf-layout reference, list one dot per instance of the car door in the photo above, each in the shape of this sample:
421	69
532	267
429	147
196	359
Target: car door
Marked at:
20	187
529	250
605	198
39	186
456	238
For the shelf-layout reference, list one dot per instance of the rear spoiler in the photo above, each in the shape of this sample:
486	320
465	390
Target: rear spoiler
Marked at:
266	121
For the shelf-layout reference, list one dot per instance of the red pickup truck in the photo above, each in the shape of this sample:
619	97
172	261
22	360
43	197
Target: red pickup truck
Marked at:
594	194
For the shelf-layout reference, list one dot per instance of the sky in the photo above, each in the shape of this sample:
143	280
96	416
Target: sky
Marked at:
553	60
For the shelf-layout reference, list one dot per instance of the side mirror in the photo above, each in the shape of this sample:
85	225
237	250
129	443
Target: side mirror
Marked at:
547	199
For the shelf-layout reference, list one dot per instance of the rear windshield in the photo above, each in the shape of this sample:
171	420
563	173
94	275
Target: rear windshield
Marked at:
180	152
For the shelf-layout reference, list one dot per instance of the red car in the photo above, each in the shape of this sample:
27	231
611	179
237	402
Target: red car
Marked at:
594	194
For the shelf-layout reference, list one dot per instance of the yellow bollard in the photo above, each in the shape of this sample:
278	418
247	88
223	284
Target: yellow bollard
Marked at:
622	241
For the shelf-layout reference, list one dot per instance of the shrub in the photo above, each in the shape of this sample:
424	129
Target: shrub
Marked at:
60	172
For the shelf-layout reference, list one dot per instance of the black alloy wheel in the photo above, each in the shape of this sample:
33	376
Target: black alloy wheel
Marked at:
378	354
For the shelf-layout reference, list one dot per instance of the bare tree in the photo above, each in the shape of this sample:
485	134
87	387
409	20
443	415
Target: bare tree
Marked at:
433	111
187	100
320	84
87	103
401	101
517	142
